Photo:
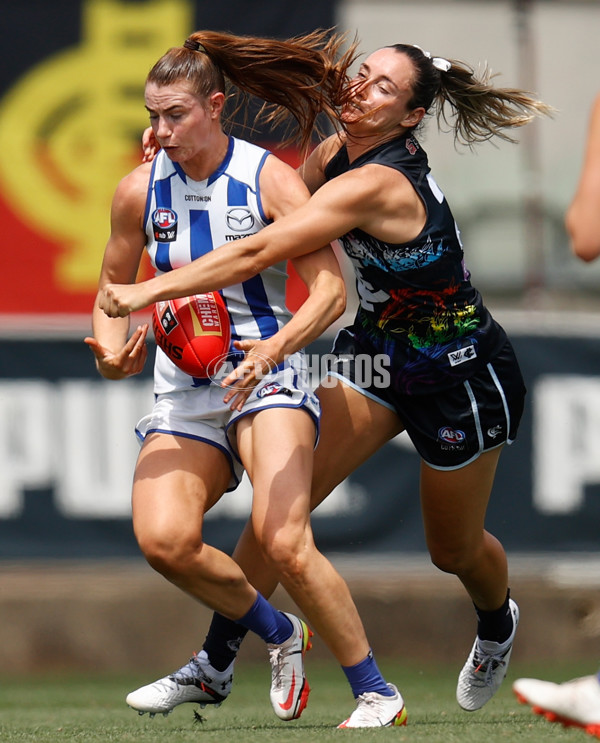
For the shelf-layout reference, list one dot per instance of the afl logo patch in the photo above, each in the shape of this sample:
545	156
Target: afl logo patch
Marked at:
451	435
164	225
273	388
240	219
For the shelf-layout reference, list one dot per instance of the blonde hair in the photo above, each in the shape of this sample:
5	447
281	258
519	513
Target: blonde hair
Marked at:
297	79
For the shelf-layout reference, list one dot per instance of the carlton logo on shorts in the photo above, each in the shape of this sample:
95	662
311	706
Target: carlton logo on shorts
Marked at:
273	388
164	225
451	435
461	355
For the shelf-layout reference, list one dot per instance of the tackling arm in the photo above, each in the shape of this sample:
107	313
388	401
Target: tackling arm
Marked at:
336	208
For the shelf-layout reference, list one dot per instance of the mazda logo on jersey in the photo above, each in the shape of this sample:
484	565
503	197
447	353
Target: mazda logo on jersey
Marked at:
240	219
164	225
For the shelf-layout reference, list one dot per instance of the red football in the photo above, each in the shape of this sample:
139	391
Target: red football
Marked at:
194	332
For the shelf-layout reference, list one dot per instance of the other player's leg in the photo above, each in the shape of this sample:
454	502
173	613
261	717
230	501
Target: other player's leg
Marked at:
454	504
573	703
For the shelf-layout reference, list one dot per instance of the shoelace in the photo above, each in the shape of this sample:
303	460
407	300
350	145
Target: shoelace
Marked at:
189	672
368	705
371	699
277	656
485	664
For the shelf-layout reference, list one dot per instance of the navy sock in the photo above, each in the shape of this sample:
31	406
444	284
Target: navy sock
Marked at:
267	622
365	676
223	641
497	625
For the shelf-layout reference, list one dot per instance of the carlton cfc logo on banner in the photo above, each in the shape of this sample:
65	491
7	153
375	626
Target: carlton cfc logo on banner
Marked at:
164	224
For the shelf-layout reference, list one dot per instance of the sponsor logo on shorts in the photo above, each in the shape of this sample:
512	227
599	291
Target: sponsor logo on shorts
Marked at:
273	388
461	355
451	439
451	435
494	431
164	225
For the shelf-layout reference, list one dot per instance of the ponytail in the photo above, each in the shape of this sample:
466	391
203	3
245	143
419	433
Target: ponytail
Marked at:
298	79
477	111
469	105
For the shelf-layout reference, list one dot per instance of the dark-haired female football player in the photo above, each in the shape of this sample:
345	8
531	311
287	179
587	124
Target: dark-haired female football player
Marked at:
455	385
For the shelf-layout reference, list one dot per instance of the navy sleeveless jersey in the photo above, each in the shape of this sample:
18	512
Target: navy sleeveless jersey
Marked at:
417	304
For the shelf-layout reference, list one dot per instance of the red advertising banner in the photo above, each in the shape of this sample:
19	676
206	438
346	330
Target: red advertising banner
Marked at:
71	127
71	119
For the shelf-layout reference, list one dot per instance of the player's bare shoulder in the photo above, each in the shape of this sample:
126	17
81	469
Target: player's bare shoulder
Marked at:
132	190
135	183
381	186
329	147
282	188
313	170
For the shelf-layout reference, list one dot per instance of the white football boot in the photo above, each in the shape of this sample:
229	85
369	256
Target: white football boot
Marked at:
289	686
377	711
197	681
485	668
575	703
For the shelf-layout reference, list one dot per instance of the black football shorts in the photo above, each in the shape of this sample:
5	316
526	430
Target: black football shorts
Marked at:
451	427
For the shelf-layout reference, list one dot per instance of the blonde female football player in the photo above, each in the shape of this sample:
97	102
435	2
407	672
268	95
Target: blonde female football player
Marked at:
195	444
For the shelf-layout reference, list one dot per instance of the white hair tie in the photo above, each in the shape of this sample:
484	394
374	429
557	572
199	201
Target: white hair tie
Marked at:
439	63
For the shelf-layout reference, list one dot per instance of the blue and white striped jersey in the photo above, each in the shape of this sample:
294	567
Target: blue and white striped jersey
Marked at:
184	219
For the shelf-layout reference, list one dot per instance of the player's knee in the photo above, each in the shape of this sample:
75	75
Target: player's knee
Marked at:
286	552
170	557
451	561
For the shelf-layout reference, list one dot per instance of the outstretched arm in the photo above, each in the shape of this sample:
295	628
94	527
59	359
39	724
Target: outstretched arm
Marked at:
326	301
583	216
283	193
348	201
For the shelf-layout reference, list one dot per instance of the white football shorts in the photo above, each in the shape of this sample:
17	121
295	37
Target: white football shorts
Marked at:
199	412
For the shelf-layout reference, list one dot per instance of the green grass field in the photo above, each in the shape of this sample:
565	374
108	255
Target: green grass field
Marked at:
83	708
